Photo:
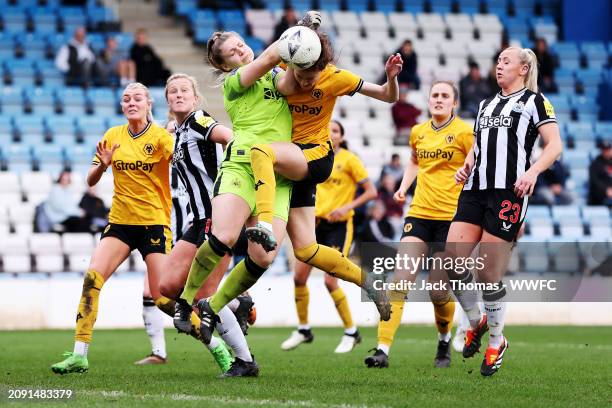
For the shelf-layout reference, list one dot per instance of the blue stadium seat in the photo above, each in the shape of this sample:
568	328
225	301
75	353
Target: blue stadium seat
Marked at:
14	20
581	130
11	99
499	7
564	77
603	129
6	135
48	153
534	255
72	99
185	7
329	5
45	22
565	211
538	211
20	71
103	101
568	54
576	158
595	53
516	27
586	107
580	178
523	7
564	249
57	125
18	157
80	154
29	126
560	103
385	6
93	126
40	100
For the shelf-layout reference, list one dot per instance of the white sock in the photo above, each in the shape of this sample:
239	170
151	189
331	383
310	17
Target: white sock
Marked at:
463	321
230	332
154	325
351	330
384	348
444	337
496	313
303	327
468	299
81	348
266	225
233	305
214	342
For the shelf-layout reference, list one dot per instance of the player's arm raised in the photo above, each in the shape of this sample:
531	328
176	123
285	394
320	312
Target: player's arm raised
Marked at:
389	92
251	72
105	157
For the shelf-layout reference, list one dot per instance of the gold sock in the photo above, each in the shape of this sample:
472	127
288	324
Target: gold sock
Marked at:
342	307
444	311
387	329
331	261
206	260
302	297
88	306
262	163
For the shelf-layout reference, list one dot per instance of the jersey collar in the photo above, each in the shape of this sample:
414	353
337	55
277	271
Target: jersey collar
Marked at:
448	122
137	135
184	123
520	91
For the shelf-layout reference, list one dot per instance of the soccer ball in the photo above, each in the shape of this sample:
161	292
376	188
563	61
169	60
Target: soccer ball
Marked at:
299	47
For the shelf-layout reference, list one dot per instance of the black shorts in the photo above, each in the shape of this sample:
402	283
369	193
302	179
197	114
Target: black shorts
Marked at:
430	231
320	158
338	235
147	239
499	212
198	232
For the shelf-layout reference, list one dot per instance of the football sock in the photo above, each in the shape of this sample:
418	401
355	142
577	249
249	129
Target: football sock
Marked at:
467	298
233	305
208	256
351	330
154	326
214	343
165	305
384	348
331	261
241	278
81	348
88	306
303	327
302	297
495	308
262	163
387	329
342	307
230	331
444	312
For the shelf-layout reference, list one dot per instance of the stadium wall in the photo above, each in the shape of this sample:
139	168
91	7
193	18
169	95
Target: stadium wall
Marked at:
44	303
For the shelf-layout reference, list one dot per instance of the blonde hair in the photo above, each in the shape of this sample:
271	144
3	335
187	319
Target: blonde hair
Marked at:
194	86
138	85
213	48
527	57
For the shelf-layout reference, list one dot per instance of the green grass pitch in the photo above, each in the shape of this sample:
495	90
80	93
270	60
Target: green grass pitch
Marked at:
544	367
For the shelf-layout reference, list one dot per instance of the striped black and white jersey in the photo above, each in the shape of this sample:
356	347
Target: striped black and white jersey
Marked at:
181	216
506	131
196	160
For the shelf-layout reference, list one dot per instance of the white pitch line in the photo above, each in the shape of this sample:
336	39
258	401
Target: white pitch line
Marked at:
581	346
219	400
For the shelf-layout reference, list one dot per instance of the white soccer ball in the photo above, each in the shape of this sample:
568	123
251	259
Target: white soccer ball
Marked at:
299	47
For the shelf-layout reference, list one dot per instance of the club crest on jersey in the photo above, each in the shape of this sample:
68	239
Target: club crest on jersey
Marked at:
449	139
518	107
148	149
495	122
317	93
408	227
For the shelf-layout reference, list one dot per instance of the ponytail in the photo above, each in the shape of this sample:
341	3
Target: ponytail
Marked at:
531	79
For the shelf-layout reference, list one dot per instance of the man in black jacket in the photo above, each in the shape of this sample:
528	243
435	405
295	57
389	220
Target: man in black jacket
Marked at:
600	176
150	70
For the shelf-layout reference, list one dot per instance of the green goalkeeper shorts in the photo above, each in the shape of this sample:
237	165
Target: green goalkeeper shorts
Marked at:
237	178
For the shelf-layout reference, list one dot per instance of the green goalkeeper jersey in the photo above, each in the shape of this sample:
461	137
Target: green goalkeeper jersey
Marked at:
259	114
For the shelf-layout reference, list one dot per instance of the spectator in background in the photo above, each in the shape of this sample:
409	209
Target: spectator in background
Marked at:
546	66
288	19
473	88
550	188
378	228
76	59
393	168
96	213
62	207
408	76
394	211
600	176
405	114
150	70
113	66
